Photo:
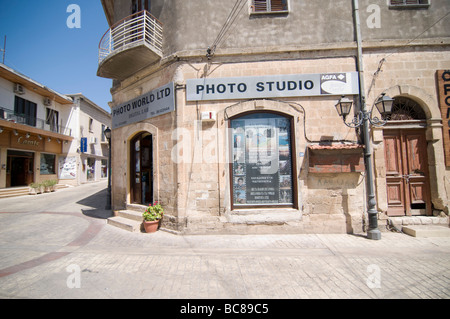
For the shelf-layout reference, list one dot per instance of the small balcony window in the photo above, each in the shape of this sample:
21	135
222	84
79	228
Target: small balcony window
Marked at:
269	6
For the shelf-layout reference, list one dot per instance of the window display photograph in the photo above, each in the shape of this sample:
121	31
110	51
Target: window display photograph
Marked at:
262	160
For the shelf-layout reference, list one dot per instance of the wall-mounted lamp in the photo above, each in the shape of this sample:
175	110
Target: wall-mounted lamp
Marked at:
1	130
59	141
40	137
383	105
49	139
364	119
27	135
15	132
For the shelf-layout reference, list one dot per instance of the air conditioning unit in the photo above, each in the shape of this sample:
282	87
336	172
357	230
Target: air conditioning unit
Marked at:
47	101
18	89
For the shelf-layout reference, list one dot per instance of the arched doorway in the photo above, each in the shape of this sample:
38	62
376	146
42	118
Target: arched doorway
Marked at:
405	145
141	169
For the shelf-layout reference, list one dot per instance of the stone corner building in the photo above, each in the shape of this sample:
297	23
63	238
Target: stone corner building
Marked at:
224	111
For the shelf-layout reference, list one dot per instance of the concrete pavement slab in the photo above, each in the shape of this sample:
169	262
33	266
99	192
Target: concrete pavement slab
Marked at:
47	252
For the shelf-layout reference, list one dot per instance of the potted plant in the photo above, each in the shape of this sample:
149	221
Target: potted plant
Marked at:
34	189
52	184
46	185
152	215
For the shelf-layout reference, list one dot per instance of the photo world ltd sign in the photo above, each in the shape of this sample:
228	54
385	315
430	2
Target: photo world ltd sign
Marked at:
272	86
151	104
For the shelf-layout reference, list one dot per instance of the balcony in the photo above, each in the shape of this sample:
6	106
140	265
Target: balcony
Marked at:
130	45
13	118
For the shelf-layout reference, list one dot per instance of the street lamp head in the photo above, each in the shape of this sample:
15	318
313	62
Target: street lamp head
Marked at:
107	133
384	105
344	106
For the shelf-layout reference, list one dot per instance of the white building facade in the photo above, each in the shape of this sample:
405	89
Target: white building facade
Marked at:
41	132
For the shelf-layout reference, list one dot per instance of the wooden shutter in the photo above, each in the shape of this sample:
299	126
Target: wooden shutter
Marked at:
260	5
278	5
408	2
269	5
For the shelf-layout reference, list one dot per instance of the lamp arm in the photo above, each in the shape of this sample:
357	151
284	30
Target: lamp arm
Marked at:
356	122
375	121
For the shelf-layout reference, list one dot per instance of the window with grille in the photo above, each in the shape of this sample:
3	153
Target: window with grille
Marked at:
269	6
409	3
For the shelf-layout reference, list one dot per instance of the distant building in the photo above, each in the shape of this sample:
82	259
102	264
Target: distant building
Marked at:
41	131
89	123
226	115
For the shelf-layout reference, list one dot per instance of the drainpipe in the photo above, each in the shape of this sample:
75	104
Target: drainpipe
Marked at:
373	231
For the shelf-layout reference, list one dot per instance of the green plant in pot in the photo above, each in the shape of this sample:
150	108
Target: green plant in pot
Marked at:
34	188
152	216
52	184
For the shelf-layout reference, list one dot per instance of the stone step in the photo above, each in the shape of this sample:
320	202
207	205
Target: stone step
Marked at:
22	191
131	214
426	230
136	207
125	223
13	192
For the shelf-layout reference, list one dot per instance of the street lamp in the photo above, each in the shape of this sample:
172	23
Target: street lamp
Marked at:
107	133
383	105
364	118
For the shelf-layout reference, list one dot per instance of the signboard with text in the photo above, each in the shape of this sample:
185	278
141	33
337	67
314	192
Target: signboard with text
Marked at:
151	104
272	86
443	83
83	145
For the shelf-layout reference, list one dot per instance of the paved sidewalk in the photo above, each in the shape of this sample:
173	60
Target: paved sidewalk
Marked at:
73	253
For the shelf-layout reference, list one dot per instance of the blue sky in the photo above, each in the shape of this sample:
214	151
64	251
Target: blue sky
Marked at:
41	46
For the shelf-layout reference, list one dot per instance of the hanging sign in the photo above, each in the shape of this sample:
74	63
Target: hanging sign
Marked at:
151	104
83	145
443	82
272	86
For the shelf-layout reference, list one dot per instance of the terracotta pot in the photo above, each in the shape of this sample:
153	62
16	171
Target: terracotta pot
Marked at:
151	227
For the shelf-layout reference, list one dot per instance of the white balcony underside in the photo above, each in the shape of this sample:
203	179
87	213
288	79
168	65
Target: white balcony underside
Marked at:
121	64
130	45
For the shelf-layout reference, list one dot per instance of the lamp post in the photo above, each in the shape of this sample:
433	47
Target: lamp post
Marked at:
364	118
107	133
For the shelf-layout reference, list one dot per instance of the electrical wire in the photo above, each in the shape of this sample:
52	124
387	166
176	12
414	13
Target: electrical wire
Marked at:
383	60
235	11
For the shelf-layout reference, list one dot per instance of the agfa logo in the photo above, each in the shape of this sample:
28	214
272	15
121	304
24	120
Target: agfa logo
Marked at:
333	83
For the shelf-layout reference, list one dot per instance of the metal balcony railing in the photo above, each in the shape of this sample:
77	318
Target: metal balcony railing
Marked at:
11	116
139	28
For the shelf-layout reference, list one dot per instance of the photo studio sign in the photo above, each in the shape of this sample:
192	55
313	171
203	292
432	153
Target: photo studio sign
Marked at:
272	86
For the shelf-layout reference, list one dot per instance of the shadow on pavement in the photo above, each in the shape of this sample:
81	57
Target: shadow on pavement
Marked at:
97	202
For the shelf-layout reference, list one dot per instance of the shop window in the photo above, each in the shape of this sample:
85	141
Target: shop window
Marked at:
104	168
48	166
90	169
262	167
269	6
